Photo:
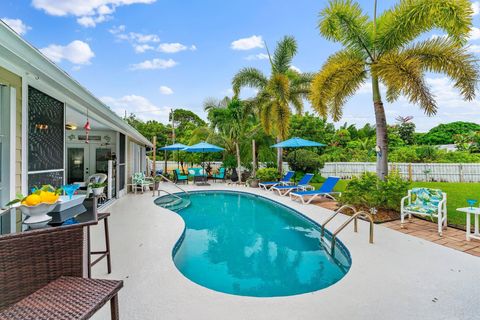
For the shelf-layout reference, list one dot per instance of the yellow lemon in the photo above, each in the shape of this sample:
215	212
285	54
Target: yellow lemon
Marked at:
33	200
48	197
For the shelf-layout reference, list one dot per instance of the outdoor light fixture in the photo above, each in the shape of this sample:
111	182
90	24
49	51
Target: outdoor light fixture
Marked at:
70	126
41	126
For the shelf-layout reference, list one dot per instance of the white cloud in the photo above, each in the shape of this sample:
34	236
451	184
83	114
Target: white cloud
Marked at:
89	12
174	47
476	7
260	56
295	69
474	34
139	105
141	48
247	43
166	90
77	52
17	25
144	42
154	64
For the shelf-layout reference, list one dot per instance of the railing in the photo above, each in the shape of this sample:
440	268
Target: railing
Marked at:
361	214
177	186
354	218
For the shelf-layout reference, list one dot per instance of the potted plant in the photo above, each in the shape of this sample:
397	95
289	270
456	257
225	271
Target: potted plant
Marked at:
37	205
97	188
253	181
157	180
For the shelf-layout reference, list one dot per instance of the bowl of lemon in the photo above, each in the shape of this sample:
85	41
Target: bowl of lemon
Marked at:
37	205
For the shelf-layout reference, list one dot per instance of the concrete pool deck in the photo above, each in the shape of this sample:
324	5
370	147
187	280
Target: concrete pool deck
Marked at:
398	277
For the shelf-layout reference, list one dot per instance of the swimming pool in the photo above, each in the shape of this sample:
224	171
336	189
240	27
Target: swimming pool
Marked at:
248	245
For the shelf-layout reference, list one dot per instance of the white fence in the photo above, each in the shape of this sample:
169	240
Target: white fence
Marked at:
171	165
442	172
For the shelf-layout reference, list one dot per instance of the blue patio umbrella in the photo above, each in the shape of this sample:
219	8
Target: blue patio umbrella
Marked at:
174	147
297	143
203	147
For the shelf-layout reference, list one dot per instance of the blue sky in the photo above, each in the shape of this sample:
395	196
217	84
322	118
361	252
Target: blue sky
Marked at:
147	56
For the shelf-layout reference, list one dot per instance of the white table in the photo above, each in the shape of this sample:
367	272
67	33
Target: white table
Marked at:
476	216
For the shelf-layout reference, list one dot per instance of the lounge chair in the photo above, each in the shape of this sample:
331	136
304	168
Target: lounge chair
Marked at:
425	202
302	185
283	182
220	175
179	177
325	191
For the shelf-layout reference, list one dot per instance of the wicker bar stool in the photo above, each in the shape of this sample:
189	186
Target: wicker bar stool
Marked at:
104	253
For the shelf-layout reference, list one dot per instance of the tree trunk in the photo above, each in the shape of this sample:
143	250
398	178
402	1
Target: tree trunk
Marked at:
254	159
381	129
279	158
239	163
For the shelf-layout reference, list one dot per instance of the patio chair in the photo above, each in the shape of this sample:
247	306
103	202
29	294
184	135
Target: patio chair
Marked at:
325	191
221	175
139	180
303	185
94	178
284	181
179	177
425	202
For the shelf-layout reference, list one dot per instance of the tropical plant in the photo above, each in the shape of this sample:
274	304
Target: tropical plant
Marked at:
304	161
444	133
267	174
231	118
385	50
284	88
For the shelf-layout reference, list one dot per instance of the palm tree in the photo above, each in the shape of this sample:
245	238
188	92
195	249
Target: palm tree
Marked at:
231	118
285	87
385	50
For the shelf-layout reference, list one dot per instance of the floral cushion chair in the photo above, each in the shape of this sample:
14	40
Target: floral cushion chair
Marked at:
139	180
425	202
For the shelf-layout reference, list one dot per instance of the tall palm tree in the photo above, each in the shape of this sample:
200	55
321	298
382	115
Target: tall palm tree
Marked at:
231	118
284	88
387	50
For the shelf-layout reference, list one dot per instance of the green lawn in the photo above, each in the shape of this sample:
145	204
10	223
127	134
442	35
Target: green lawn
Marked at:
457	195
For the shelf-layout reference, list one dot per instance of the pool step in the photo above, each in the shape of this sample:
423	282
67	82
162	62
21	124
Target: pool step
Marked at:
172	202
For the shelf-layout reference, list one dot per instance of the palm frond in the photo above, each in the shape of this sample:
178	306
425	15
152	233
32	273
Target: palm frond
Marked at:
444	55
297	103
339	78
281	115
283	55
248	77
344	21
265	118
411	18
404	75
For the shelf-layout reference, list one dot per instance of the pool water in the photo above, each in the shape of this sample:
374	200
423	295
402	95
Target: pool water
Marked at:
248	245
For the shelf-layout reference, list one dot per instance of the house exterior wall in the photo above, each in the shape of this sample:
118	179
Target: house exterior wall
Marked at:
12	80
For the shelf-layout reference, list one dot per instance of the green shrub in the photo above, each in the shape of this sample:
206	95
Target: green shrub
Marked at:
371	192
267	174
304	161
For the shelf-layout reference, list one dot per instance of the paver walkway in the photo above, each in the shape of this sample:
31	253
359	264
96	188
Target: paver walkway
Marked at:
452	238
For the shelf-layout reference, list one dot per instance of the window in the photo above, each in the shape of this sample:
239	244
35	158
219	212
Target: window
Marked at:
46	139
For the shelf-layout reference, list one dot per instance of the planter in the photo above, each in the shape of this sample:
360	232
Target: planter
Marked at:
37	215
253	183
97	191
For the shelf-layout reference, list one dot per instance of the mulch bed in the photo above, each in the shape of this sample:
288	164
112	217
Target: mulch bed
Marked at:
381	216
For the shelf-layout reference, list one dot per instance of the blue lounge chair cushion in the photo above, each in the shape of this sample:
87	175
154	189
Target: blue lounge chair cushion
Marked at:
326	187
220	175
303	182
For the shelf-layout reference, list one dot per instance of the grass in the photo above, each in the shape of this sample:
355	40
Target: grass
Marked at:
457	195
